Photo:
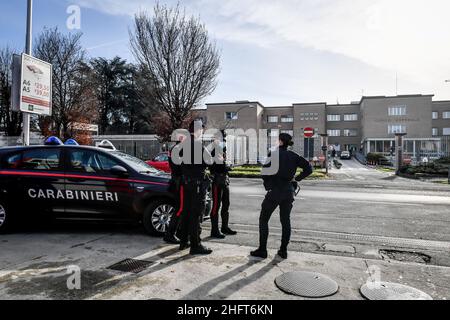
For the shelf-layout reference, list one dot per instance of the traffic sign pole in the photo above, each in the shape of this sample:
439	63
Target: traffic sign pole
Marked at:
28	49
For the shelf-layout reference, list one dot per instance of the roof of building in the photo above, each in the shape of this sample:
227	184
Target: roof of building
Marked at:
235	103
355	103
398	96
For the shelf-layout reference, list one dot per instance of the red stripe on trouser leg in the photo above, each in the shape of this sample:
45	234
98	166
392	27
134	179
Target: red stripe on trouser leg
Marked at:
180	211
216	202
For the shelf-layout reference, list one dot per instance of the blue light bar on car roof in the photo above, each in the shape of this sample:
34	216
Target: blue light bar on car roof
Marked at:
53	141
71	142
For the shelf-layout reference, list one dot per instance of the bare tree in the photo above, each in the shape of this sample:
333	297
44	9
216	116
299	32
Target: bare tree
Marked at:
177	53
71	79
10	121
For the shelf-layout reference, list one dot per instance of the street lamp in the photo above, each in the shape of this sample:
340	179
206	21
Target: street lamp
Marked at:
28	51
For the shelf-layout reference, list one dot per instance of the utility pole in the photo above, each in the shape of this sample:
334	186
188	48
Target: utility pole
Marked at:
399	152
325	150
448	81
28	51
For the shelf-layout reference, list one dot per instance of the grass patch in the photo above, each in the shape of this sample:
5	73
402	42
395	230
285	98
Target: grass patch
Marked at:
441	182
386	169
254	172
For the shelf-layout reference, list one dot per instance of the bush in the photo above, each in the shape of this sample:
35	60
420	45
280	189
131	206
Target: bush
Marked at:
377	159
443	161
432	169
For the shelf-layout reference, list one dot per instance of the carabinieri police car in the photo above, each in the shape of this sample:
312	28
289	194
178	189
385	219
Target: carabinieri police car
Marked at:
72	182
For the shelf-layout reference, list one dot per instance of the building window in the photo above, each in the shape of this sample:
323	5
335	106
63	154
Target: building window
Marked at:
274	133
272	119
446	132
231	116
435	115
446	115
289	132
350	133
334	133
396	128
287	119
333	117
351	117
435	132
397	111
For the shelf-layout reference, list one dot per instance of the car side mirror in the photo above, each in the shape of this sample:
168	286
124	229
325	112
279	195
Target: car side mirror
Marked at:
119	171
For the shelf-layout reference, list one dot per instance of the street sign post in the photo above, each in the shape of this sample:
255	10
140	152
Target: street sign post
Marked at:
399	151
309	132
36	86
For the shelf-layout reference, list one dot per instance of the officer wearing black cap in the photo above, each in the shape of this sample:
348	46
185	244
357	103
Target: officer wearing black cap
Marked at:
221	188
280	192
195	161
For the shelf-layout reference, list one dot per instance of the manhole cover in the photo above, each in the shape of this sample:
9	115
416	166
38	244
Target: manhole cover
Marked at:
392	291
307	284
405	256
131	265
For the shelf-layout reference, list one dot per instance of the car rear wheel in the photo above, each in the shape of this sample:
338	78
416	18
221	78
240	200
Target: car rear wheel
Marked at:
157	217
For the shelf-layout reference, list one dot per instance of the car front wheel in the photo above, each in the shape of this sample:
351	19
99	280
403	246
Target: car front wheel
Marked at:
157	217
4	218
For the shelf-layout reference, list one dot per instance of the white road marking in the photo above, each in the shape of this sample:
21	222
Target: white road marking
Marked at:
388	203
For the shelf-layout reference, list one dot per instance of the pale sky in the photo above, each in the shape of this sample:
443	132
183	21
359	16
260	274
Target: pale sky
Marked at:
289	51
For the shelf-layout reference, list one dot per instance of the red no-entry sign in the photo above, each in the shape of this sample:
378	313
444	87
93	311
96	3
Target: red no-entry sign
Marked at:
309	132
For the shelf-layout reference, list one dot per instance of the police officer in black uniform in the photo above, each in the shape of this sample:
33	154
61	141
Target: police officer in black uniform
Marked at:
221	189
178	189
195	184
280	193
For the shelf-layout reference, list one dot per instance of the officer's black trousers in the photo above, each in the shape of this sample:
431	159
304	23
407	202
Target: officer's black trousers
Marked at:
194	207
175	220
221	201
273	200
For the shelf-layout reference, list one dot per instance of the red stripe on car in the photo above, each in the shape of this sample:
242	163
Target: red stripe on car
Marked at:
73	176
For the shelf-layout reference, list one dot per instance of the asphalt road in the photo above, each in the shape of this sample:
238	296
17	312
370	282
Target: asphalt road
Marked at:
359	212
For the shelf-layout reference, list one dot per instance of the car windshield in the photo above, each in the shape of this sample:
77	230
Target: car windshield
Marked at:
137	164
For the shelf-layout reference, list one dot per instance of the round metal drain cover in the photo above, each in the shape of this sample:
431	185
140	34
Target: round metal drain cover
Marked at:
307	284
392	291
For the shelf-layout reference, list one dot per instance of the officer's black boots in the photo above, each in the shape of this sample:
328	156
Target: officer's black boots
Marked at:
184	246
200	250
227	231
260	253
225	228
217	235
283	253
170	238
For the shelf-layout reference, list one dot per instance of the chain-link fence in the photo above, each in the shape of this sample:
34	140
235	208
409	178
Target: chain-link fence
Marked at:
144	147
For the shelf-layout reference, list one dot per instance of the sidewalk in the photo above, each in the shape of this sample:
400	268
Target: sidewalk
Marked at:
230	274
36	267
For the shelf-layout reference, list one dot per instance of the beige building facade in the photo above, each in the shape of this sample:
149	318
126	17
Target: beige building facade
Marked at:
368	125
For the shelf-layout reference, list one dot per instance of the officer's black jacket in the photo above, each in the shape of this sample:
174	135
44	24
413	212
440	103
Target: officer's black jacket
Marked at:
217	167
289	162
174	168
196	166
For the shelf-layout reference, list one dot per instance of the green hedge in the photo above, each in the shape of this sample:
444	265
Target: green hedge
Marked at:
242	172
432	169
443	161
